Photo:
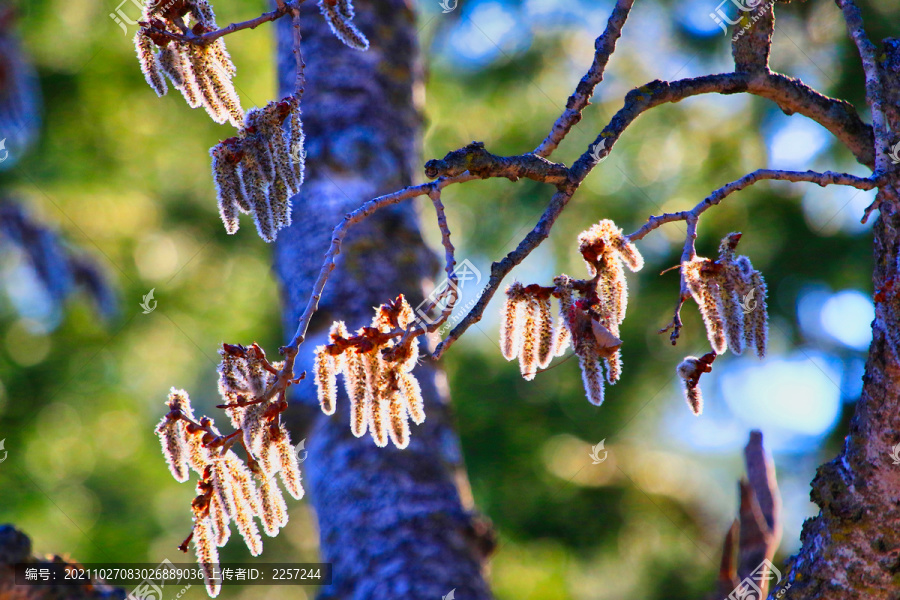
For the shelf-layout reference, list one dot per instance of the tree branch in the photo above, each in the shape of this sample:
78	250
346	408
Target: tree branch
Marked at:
481	163
822	179
203	39
874	88
578	101
752	76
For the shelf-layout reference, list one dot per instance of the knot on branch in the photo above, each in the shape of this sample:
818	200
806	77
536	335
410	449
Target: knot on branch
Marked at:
475	159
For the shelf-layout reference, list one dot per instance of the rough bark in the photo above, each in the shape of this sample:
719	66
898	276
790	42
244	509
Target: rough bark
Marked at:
394	523
852	548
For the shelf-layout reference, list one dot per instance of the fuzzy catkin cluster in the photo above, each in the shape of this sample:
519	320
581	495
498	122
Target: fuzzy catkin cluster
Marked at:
202	73
255	173
527	331
594	321
244	376
377	375
230	490
731	295
339	16
590	312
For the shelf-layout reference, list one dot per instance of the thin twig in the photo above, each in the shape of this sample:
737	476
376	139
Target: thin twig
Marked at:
340	232
203	39
822	179
300	80
578	101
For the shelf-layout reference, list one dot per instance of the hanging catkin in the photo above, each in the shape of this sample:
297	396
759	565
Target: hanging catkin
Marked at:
731	296
254	171
339	16
590	324
201	72
226	491
376	368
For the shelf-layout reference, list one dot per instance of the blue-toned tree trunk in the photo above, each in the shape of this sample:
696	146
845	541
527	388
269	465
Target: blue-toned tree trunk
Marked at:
395	524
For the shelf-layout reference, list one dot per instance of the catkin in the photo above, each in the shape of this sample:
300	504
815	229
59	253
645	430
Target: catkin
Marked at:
297	143
566	301
730	311
207	555
759	318
223	487
706	293
180	71
689	370
326	380
628	252
592	376
209	96
170	63
150	66
590	325
528	352
246	496
613	367
399	430
173	435
409	386
339	14
510	326
377	374
218	519
355	383
731	296
226	490
544	329
170	434
246	526
274	509
694	397
376	405
290	470
228	187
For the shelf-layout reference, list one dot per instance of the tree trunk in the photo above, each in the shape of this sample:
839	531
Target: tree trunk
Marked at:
395	524
852	548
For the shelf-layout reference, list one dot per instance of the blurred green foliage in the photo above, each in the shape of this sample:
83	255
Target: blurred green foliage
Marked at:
125	176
